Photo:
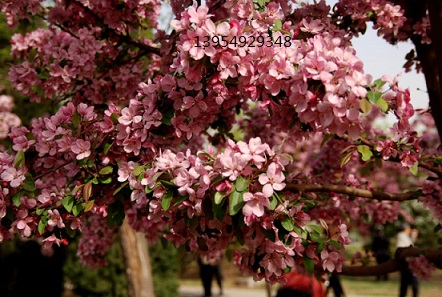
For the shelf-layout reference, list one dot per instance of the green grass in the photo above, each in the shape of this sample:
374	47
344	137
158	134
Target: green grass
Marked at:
368	286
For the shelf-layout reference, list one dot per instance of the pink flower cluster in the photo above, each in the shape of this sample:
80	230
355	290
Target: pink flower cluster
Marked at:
20	9
388	18
431	197
421	267
298	71
7	118
97	238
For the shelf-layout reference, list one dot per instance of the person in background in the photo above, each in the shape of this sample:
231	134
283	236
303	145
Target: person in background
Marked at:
334	284
208	269
405	238
301	285
381	248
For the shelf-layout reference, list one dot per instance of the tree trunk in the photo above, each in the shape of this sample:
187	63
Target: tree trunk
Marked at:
137	262
430	55
435	12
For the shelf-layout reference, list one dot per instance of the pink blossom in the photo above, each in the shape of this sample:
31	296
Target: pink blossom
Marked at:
272	180
81	148
255	204
55	219
13	176
329	260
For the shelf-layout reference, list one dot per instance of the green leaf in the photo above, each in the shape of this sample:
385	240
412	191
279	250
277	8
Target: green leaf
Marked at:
120	188
114	117
374	96
106	170
180	200
168	184
219	210
437	228
216	180
219	197
365	151
378	84
139	170
326	138
236	202
316	228
335	244
288	223
88	205
167	199
19	159
365	105
16	199
317	237
30	136
43	75
278	25
415	168
383	104
107	147
39	211
204	154
29	185
270	234
105	180
68	203
42	225
76	118
242	184
309	264
77	209
273	202
320	247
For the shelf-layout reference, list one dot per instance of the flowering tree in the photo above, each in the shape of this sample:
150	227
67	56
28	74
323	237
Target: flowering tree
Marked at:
250	122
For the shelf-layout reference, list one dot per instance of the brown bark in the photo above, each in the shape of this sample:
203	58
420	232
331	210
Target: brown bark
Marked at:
430	55
341	189
137	262
433	255
435	12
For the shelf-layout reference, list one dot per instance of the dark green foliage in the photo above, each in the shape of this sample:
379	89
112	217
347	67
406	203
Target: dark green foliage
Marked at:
165	266
110	281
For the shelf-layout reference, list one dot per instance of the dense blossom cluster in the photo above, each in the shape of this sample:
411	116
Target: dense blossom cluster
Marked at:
421	267
7	118
128	137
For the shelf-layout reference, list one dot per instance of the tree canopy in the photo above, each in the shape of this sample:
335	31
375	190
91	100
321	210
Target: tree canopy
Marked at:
250	122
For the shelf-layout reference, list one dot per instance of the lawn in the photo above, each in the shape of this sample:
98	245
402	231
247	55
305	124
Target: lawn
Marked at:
368	286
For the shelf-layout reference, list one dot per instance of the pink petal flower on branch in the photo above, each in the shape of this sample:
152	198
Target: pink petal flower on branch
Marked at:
13	176
81	148
272	180
255	204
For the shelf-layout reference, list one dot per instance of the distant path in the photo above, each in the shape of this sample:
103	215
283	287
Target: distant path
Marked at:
196	291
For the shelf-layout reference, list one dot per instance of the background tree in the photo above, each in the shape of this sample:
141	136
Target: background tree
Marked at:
144	130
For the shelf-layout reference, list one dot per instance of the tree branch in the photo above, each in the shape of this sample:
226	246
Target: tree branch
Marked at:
341	189
397	160
387	267
124	38
433	255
